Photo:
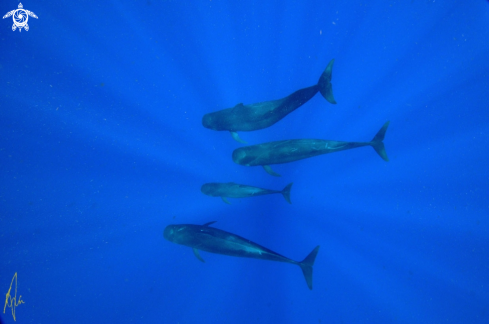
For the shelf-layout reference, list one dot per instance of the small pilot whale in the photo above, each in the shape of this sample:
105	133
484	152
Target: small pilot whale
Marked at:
234	190
206	238
264	114
293	150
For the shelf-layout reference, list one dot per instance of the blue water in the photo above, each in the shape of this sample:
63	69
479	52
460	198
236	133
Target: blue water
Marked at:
101	147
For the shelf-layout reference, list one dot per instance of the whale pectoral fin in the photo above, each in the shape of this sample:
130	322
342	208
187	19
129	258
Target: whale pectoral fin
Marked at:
210	223
236	138
270	171
225	200
196	252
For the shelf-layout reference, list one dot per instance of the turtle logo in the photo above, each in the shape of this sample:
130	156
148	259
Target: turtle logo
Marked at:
20	17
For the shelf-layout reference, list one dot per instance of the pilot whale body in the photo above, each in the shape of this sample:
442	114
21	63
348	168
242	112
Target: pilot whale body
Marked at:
293	150
206	238
234	190
264	114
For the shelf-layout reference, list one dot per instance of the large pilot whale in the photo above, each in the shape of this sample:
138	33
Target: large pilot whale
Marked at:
293	150
235	190
264	114
206	238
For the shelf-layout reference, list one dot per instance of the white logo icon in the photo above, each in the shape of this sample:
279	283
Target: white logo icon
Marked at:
20	17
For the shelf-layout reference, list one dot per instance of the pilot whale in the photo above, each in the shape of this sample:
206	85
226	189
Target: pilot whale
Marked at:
293	150
206	238
264	114
235	190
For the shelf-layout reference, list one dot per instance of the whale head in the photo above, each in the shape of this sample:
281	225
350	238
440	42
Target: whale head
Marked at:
208	189
240	157
176	233
208	121
169	232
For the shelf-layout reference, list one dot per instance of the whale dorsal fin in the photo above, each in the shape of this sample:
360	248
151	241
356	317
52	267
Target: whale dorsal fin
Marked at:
240	105
196	253
210	223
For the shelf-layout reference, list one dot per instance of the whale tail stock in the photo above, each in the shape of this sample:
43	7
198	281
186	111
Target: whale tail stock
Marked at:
306	266
286	192
324	83
378	144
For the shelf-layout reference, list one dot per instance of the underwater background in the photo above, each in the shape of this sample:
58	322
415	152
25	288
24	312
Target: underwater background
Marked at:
102	147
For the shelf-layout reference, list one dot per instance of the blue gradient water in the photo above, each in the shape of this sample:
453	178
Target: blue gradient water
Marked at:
101	147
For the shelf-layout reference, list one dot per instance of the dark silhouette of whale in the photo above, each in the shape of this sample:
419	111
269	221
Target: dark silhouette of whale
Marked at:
206	238
235	190
264	114
293	150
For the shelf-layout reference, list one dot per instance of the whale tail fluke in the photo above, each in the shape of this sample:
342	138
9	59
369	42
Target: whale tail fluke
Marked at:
306	266
286	192
324	83
377	142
